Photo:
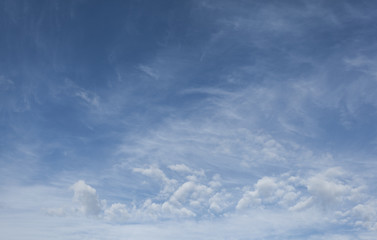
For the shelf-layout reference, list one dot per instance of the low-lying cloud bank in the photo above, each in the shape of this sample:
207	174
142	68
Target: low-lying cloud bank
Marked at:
335	197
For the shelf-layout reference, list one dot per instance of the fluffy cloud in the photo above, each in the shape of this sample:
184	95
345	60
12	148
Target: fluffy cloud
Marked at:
158	174
328	189
366	215
189	200
193	196
117	212
220	201
267	190
171	210
331	191
87	198
191	192
90	205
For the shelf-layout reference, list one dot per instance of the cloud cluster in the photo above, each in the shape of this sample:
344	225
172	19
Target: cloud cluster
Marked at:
333	193
158	175
193	195
229	115
117	212
324	190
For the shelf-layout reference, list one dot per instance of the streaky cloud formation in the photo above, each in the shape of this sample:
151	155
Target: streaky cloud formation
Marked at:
193	119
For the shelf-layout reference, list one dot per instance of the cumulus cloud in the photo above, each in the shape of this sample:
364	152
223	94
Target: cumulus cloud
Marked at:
332	193
175	211
366	215
327	189
266	187
165	210
90	205
271	104
117	212
216	181
87	198
220	201
265	190
322	190
193	196
248	198
331	190
158	174
188	200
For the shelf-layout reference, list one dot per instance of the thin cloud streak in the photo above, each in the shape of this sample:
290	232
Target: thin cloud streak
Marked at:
169	120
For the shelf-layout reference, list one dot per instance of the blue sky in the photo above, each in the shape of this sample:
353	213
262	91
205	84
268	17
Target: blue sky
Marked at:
194	119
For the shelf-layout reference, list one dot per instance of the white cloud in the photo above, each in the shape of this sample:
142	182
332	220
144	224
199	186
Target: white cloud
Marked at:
180	168
303	203
266	117
176	211
88	97
365	215
195	197
151	211
185	169
183	192
70	88
266	187
327	192
276	197
330	190
265	190
216	181
249	197
87	197
195	194
149	71
220	201
154	172
116	213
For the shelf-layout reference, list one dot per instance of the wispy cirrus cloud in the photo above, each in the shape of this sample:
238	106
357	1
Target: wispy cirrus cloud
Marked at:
256	119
